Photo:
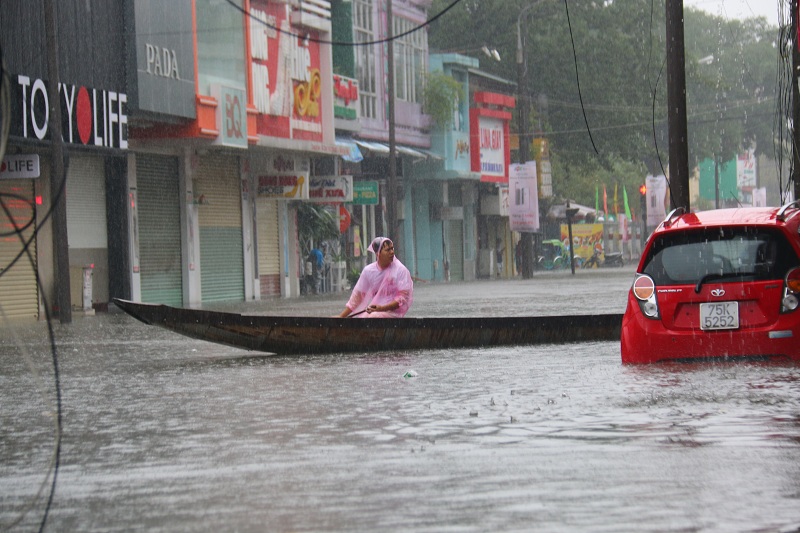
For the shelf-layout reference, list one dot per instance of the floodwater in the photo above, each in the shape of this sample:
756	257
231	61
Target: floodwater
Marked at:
164	433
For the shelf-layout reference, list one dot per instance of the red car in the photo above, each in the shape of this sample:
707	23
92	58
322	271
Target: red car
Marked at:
722	284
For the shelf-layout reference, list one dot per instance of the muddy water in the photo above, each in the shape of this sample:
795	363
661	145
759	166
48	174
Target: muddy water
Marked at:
162	433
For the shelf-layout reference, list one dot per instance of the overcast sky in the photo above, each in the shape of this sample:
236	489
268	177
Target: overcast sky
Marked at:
739	9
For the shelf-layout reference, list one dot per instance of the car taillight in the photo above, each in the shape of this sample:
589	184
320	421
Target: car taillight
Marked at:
793	280
644	289
790	291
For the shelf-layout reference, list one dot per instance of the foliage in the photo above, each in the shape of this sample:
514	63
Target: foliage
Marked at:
316	223
620	59
441	97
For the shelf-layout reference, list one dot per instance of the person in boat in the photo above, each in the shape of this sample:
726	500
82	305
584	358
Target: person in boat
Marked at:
385	288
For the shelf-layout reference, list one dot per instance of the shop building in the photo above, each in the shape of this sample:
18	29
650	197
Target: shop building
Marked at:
43	251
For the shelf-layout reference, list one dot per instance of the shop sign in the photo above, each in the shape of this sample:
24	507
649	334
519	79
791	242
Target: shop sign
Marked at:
19	166
163	62
492	147
231	116
345	98
331	189
90	116
523	197
286	73
365	193
285	178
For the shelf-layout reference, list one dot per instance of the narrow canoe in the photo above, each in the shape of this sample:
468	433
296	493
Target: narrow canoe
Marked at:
314	335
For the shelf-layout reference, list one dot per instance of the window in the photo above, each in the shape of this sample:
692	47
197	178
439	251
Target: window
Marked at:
410	52
364	31
730	254
220	45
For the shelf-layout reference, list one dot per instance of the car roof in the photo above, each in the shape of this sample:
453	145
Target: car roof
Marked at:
739	216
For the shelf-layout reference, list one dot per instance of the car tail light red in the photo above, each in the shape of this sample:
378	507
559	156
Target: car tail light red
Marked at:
644	289
791	291
793	280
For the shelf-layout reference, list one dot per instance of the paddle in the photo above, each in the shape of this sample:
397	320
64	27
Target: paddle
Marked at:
356	314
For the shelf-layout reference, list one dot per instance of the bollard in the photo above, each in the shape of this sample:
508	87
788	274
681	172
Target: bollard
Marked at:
87	289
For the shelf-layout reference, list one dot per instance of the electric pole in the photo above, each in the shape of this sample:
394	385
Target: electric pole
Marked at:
58	175
676	105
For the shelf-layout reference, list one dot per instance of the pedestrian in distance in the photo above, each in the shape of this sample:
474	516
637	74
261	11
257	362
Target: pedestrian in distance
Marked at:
385	288
499	251
317	260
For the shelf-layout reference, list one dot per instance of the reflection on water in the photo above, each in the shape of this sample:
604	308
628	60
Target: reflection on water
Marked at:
166	433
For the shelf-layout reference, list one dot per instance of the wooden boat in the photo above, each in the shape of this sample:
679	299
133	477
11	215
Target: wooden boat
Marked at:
314	335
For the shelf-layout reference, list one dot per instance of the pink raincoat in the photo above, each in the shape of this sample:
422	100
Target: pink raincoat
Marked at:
378	286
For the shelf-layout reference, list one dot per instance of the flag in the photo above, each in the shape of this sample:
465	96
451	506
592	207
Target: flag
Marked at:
625	202
605	200
616	204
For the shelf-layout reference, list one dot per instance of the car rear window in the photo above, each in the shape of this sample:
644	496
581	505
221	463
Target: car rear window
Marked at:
735	254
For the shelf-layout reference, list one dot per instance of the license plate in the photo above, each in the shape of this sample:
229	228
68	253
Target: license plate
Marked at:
719	315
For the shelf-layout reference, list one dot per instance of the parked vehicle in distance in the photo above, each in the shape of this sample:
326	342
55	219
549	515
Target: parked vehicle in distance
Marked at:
610	259
717	284
554	255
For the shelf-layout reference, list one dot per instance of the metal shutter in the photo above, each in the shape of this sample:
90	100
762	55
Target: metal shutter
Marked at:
455	233
19	294
159	229
268	240
86	203
220	221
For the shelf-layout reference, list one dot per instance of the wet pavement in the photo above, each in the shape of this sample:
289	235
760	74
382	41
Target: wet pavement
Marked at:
165	433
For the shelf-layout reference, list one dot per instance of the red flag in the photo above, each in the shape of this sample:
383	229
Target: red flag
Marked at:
344	218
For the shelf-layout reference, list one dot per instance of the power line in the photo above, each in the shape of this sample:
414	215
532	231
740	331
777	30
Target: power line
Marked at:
346	43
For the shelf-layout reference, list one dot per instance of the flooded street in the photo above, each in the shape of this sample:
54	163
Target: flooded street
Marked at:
165	433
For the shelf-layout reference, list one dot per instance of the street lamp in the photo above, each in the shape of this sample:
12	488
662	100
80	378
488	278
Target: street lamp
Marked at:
524	154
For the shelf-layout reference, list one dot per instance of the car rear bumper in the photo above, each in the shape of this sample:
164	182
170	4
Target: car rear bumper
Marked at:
647	341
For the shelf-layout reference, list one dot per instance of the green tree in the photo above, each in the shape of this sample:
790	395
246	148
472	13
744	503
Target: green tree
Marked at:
618	49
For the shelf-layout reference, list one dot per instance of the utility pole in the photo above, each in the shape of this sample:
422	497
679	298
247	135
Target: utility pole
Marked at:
58	176
676	105
526	239
391	195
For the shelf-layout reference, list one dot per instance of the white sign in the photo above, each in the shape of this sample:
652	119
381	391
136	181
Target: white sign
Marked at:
19	166
746	170
331	189
656	194
523	197
493	153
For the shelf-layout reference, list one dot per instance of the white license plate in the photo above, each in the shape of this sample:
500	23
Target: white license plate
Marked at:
719	315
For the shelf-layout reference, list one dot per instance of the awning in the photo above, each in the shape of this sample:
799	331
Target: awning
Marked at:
353	153
377	148
382	150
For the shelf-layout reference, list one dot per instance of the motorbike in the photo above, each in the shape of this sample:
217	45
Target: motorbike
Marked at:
611	259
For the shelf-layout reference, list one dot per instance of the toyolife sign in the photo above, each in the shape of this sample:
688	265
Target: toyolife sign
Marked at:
19	166
90	116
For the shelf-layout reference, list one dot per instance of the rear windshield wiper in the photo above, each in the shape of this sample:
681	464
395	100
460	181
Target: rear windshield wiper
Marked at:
716	276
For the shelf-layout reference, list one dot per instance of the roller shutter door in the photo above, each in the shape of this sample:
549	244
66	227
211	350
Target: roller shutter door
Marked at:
269	260
220	221
456	241
86	203
159	229
19	295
